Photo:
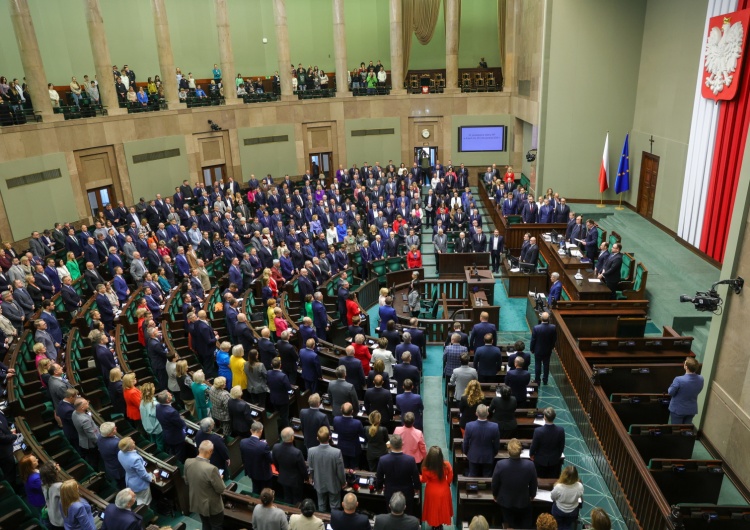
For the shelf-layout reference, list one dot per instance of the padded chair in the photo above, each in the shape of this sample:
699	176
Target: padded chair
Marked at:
479	82
514	219
491	85
395	264
378	268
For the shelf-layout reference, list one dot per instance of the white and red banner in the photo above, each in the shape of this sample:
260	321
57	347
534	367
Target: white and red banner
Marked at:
604	167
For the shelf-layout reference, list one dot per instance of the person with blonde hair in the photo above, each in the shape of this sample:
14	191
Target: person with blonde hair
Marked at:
185	382
132	397
219	399
137	478
566	494
148	415
200	394
514	485
115	390
478	522
473	396
376	437
383	295
237	367
76	511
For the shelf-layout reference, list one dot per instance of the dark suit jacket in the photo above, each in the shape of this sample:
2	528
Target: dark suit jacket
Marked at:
256	457
487	360
526	359
120	519
354	372
108	450
402	372
611	271
517	380
547	445
514	482
157	353
543	339
349	430
105	308
312	420
341	392
221	452
290	464
240	415
289	356
267	352
481	441
172	424
478	332
341	520
411	402
397	472
379	399
278	387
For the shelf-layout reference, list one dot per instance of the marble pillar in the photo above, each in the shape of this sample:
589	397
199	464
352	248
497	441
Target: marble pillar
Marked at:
397	48
102	59
339	49
451	45
164	51
282	48
31	58
226	55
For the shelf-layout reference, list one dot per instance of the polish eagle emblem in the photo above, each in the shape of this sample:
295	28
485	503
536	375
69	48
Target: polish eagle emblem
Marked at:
723	50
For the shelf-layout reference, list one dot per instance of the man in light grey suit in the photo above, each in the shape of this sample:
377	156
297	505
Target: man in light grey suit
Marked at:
56	385
13	312
342	392
440	242
137	268
16	273
413	240
23	299
128	249
42	336
327	472
37	246
88	432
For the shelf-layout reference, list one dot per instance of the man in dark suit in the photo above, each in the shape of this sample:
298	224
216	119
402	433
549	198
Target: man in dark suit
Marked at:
105	308
481	443
310	364
380	399
611	273
555	291
320	317
266	349
348	518
341	296
684	391
592	238
514	485
487	360
291	467
518	379
604	255
543	339
312	419
204	342
462	244
408	401
349	430
172	424
518	348
530	254
530	211
118	515
390	247
289	356
476	339
496	248
71	299
157	353
398	472
354	372
92	277
547	447
305	285
342	391
405	370
220	456
479	241
257	458
278	389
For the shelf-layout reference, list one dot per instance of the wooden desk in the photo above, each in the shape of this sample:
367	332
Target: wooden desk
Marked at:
519	284
481	502
453	264
561	263
586	290
478	303
484	281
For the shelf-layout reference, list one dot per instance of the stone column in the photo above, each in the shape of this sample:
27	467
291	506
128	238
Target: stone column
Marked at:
166	58
226	55
339	49
451	45
282	48
102	60
397	48
31	59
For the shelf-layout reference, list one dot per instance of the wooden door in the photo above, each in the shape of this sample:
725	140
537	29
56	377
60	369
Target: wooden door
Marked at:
647	184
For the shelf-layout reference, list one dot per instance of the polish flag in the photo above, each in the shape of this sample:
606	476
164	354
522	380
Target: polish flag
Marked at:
604	168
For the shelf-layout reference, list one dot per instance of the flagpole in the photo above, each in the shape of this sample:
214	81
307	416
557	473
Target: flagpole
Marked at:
620	206
601	201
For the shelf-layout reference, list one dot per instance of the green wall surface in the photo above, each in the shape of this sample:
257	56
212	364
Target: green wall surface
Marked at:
277	158
482	159
195	40
368	33
37	206
157	176
589	90
379	148
251	56
479	34
310	24
664	103
10	58
131	37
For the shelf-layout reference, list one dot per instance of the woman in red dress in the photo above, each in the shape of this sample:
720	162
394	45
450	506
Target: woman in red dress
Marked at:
362	352
438	502
509	177
352	307
414	258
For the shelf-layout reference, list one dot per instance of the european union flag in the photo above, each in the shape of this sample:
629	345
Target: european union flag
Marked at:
622	183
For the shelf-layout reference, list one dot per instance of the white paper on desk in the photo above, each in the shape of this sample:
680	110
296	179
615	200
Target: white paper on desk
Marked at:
539	421
571	245
525	454
594	280
543	495
547	237
516	269
537	295
576	253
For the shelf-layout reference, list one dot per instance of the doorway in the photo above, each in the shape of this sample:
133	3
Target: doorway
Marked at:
213	174
321	164
647	184
99	198
426	155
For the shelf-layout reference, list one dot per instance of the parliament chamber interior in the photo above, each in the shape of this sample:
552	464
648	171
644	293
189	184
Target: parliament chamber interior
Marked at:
347	264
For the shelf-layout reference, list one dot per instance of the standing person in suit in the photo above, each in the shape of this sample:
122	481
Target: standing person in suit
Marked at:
119	515
172	425
387	313
349	430
342	295
342	391
684	391
291	467
380	399
514	485
405	370
547	446
555	292
481	443
220	456
354	372
320	316
71	299
496	248
518	379
278	389
137	477
288	355
604	255
257	458
348	518
205	487
530	211
311	420
310	363
610	275
408	401
530	254
412	439
476	339
7	439
487	360
327	472
398	472
157	354
543	340
397	519
592	236
88	432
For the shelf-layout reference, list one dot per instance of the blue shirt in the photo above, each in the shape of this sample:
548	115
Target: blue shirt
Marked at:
137	478
200	93
142	97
